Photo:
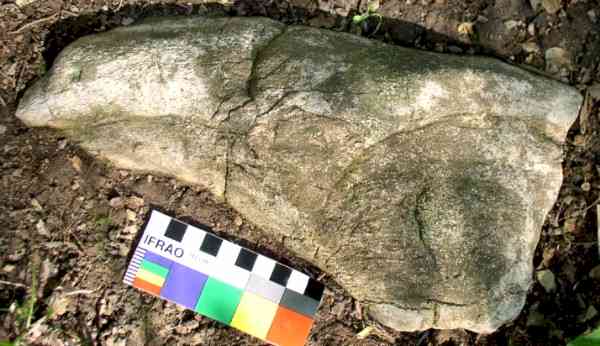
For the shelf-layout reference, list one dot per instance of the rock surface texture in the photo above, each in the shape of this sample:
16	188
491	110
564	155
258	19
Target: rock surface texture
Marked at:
419	181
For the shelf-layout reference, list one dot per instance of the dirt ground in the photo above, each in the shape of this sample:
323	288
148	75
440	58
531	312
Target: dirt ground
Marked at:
68	222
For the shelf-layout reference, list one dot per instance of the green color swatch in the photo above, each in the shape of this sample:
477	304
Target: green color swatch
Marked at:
219	300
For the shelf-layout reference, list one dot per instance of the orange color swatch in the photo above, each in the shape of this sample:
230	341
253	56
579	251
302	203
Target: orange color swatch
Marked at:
289	328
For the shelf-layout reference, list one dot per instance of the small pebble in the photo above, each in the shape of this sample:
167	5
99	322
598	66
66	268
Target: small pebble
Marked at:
23	3
135	202
36	205
551	6
548	256
482	19
512	24
557	60
62	144
129	232
76	163
579	140
530	47
455	49
59	305
9	268
590	313
547	280
586	186
536	319
127	21
123	250
465	28
535	4
592	15
16	256
238	221
116	202
131	215
595	272
40	226
531	29
594	91
2	129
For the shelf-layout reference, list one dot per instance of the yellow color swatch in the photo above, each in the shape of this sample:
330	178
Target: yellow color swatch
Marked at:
150	277
254	315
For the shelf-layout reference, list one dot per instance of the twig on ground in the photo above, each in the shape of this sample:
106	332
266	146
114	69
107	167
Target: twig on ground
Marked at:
16	284
2	101
358	309
77	292
72	14
35	22
584	210
81	278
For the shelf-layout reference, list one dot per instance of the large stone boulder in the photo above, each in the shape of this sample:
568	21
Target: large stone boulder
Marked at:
419	181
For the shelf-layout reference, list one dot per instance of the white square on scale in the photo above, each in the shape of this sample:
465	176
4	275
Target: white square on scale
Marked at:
228	252
158	223
263	267
297	282
192	239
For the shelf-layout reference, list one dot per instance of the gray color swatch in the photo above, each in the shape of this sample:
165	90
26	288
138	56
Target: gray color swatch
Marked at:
265	288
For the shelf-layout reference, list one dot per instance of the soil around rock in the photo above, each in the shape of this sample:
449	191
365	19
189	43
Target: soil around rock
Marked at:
67	218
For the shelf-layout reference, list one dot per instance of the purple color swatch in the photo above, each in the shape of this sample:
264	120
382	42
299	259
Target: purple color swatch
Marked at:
183	285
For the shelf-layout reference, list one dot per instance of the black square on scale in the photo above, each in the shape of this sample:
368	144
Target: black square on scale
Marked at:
281	274
314	289
175	230
211	244
246	259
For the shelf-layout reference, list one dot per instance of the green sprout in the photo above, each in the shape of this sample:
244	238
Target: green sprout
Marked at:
24	312
589	339
372	8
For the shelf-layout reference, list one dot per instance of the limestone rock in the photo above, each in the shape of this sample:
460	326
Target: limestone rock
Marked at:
420	181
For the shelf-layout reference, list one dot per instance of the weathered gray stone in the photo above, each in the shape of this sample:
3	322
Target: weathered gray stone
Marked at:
420	181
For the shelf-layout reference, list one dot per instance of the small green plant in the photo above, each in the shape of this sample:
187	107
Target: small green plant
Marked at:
9	343
24	312
104	221
371	12
42	68
591	339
